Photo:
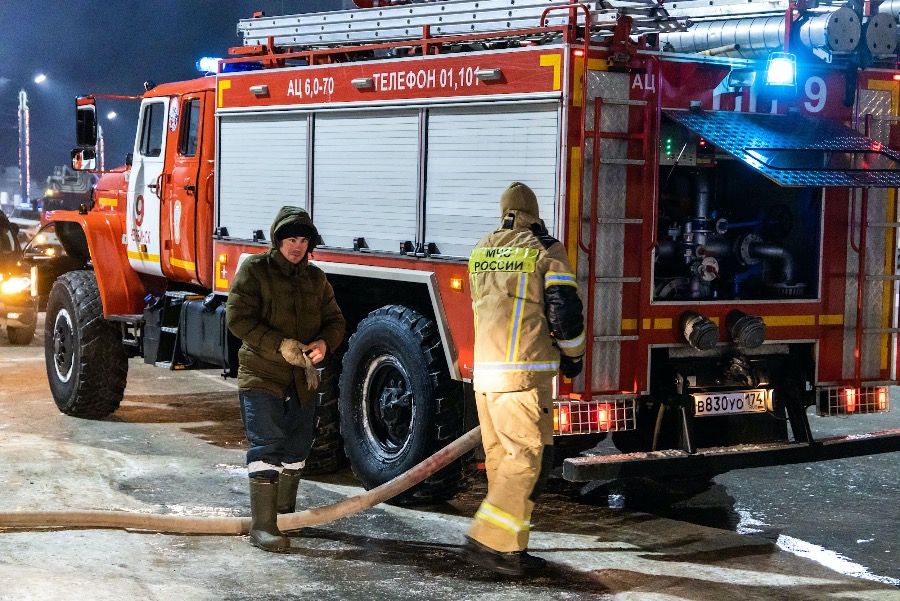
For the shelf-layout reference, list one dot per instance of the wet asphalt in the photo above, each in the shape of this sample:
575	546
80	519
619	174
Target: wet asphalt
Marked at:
825	531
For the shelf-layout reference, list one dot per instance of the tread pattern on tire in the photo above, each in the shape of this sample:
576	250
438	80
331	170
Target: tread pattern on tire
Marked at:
102	369
447	424
327	453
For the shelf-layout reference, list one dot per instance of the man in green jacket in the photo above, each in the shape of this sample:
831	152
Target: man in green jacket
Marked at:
284	311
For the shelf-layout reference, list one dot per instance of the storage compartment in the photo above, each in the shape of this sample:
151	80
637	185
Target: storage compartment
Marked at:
204	335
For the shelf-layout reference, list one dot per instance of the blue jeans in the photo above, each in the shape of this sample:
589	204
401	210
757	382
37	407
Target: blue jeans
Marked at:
280	430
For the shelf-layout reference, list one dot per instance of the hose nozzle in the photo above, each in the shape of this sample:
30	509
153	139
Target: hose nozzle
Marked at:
747	331
699	331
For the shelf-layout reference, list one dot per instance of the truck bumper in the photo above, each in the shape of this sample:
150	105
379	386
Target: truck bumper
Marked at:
718	460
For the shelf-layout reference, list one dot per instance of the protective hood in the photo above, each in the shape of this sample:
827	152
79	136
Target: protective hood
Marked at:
519	197
293	215
519	207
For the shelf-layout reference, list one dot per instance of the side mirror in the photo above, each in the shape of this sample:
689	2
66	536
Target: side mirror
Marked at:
129	159
84	159
85	122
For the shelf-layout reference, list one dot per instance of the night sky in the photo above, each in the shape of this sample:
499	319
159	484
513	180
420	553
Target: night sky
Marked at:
111	47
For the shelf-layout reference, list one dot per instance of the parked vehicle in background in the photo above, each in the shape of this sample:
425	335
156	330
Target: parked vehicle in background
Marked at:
28	221
18	306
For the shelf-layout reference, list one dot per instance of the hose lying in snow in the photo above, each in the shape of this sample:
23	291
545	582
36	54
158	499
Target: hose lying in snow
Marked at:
183	524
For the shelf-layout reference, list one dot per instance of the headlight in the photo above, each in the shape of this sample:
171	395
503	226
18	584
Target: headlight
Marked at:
15	285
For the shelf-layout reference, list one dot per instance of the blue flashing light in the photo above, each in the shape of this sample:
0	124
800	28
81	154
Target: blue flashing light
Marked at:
208	64
239	67
781	70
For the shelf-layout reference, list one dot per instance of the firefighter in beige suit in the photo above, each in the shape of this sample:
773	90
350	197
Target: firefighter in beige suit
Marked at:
528	326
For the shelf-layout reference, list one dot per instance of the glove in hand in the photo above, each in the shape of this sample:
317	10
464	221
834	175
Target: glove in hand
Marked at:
570	366
293	353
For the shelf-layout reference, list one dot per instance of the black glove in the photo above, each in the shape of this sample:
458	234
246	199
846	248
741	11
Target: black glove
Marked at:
570	366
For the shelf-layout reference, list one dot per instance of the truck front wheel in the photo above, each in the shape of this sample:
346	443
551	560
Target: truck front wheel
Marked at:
86	362
397	403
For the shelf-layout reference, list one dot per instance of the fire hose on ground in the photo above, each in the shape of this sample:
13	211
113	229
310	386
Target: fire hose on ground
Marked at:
181	524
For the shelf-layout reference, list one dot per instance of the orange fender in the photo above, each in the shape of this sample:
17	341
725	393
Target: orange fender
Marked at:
121	290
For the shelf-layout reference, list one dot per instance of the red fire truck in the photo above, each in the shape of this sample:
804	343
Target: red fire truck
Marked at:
724	178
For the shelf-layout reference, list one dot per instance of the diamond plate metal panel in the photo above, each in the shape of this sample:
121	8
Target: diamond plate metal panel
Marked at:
848	356
610	195
878	104
605	360
741	133
876	290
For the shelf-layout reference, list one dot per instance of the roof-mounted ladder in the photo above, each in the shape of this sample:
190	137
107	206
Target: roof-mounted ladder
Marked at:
447	18
474	17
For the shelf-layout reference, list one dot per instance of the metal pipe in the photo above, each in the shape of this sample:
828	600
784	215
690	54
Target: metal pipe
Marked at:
838	32
891	7
665	249
770	252
701	201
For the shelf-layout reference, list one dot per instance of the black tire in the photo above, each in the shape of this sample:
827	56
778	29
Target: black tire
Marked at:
327	454
86	361
20	336
397	403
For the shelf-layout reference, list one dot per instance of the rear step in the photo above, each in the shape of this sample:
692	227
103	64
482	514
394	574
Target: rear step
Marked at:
718	460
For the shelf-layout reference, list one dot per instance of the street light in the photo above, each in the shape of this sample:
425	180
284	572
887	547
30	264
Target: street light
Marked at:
24	147
25	140
100	146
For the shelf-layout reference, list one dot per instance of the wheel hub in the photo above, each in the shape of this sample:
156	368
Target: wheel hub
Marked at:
394	404
388	404
63	346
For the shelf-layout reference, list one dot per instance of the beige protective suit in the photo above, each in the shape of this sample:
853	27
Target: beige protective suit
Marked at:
527	315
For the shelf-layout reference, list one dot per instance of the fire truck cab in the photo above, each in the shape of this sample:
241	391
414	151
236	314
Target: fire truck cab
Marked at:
724	178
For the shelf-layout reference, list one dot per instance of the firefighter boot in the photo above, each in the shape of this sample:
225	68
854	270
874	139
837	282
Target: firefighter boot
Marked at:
288	482
264	532
508	564
532	563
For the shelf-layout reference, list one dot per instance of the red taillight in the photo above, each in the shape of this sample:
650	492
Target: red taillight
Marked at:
601	417
563	424
856	401
593	417
578	53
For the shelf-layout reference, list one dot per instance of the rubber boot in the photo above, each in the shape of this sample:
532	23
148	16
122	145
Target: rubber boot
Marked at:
532	563
508	564
288	482
264	532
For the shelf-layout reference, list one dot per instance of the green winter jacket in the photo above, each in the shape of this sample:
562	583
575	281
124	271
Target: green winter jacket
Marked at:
270	300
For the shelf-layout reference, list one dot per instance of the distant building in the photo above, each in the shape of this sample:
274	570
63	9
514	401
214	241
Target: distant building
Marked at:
10	188
67	189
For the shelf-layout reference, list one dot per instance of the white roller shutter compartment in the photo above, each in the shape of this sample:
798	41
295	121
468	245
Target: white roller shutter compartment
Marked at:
473	154
262	167
365	178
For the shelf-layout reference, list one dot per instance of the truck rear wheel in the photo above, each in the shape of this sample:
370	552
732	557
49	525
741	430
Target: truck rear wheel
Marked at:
397	403
327	453
86	362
